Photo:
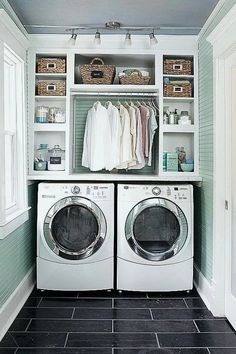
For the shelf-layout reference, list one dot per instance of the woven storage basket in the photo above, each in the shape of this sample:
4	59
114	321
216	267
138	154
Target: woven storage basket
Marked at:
98	74
181	90
51	65
51	88
178	66
134	79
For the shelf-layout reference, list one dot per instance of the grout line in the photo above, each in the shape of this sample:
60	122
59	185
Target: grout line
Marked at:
67	335
208	350
112	303
112	326
151	314
196	326
185	303
72	315
15	351
39	302
158	344
27	327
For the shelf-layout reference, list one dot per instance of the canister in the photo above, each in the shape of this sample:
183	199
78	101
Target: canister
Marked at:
172	161
56	159
41	114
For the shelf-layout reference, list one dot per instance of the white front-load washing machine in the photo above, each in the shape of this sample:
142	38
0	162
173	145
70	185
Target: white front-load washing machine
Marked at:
155	237
75	236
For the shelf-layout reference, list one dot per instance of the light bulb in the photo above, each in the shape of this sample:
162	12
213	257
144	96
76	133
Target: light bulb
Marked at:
97	39
153	40
128	41
72	40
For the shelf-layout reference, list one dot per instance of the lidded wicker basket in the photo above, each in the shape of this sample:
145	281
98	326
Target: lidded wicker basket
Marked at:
97	73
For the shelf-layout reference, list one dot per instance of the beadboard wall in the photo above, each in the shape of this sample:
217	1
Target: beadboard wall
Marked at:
17	251
204	195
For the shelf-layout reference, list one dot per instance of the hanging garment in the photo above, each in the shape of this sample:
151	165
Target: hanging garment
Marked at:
133	132
152	126
97	139
145	115
115	128
139	141
125	143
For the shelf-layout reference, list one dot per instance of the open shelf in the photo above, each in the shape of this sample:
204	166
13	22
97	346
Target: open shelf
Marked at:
114	88
49	127
178	128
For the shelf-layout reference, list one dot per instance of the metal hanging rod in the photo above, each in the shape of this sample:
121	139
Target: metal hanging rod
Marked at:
142	94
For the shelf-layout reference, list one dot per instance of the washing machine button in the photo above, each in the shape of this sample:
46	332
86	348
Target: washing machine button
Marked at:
75	189
156	190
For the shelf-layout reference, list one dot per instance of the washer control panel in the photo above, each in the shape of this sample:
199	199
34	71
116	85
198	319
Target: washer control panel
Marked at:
156	190
173	192
75	190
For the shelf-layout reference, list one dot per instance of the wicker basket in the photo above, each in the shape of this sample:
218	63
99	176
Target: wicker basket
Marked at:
181	90
98	74
51	88
134	79
51	65
178	66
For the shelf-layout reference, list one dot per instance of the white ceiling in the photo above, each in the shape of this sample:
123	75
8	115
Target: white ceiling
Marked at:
190	14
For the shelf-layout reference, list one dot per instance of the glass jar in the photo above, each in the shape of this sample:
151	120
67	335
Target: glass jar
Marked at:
60	116
181	155
56	159
41	114
41	157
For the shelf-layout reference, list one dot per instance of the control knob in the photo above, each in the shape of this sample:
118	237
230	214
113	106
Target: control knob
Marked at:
156	190
75	190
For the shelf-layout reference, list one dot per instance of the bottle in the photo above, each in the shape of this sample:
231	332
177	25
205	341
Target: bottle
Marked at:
181	156
172	118
176	116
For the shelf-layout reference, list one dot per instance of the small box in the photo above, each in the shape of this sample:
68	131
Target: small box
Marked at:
172	162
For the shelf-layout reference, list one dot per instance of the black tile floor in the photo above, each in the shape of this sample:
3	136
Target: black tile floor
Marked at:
113	323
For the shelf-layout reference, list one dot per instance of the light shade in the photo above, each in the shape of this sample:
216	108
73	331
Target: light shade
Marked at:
72	40
128	41
153	40
97	39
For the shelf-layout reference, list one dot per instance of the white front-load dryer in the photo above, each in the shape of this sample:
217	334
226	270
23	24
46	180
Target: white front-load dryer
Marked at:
155	237
75	236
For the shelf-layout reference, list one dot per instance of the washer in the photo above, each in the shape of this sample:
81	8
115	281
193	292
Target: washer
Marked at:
155	237
75	236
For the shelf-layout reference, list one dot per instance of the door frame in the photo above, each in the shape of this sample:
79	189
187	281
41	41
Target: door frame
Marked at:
223	41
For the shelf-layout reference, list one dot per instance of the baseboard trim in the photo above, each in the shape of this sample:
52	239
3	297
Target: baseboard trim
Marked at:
203	287
14	303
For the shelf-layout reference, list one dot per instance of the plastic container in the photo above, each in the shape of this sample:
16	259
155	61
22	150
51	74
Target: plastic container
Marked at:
56	159
41	114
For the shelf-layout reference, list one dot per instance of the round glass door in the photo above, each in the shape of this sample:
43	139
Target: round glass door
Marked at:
156	229
74	228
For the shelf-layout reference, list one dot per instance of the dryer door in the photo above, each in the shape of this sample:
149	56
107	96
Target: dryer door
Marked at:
156	229
74	228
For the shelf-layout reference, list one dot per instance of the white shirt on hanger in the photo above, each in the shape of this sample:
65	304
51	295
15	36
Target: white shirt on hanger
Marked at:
97	139
115	128
133	132
125	143
139	141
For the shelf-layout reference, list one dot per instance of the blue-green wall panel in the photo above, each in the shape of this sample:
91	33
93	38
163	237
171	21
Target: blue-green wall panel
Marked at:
17	251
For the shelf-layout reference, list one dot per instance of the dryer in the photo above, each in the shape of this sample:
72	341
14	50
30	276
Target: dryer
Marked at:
155	237
75	236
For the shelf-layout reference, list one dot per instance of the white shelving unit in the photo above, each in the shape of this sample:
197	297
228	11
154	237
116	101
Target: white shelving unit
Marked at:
169	136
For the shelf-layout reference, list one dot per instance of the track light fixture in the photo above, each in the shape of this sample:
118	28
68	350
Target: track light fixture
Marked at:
113	26
153	40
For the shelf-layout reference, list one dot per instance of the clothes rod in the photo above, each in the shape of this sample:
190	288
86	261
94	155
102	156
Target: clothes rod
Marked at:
153	94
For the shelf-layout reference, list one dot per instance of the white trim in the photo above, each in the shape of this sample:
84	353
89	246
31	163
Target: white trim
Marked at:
16	300
6	20
17	219
7	7
224	45
208	22
204	287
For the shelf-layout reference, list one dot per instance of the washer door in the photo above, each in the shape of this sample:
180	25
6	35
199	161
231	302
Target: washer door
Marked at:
74	228
156	229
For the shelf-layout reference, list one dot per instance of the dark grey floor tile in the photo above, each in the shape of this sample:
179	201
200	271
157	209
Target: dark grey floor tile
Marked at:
154	326
149	303
181	314
36	312
198	340
173	294
114	294
19	324
223	351
195	303
70	326
8	341
214	326
64	351
8	350
69	302
32	302
162	351
129	340
29	339
50	293
139	314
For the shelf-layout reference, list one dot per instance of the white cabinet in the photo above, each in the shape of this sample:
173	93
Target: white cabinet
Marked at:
68	135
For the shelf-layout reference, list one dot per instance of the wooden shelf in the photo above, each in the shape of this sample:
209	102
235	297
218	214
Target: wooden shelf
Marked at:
178	128
183	99
50	97
49	127
179	76
133	89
